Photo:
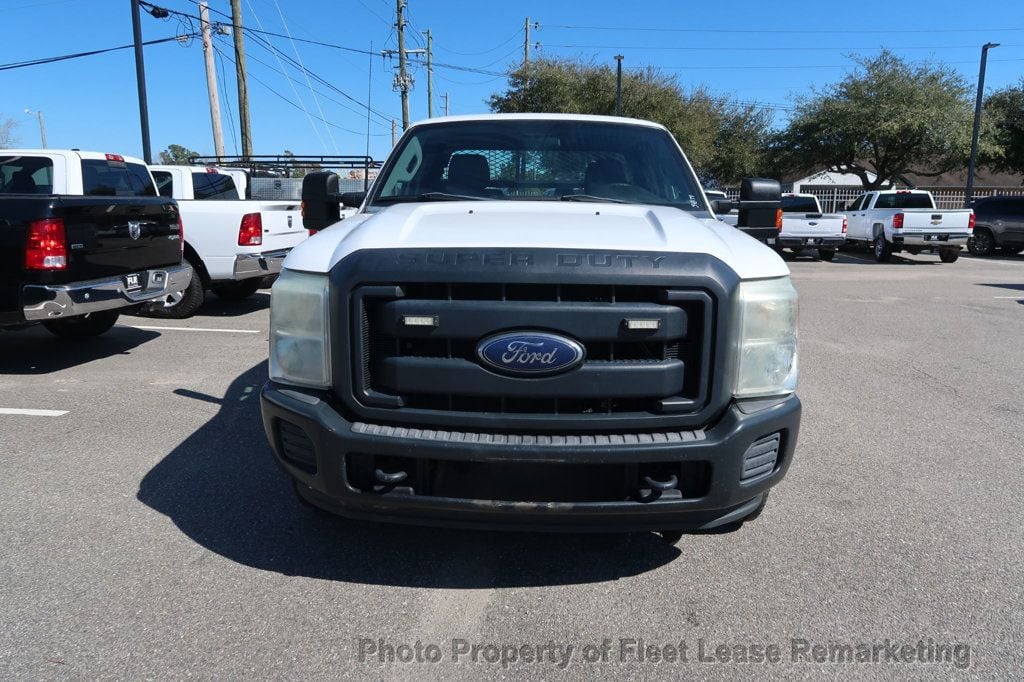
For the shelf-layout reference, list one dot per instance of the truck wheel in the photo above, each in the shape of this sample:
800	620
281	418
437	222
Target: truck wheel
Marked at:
82	326
882	248
236	291
826	254
949	255
981	243
181	304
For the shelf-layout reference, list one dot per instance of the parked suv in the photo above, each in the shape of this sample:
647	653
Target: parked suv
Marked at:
999	224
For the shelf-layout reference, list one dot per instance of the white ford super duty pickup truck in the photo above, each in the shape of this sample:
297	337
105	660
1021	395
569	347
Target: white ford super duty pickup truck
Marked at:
234	245
805	227
907	220
534	321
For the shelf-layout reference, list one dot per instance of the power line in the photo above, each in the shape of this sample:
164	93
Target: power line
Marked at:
790	66
622	29
77	55
515	36
718	48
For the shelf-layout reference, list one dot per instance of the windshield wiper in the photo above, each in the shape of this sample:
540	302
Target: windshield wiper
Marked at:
426	196
591	197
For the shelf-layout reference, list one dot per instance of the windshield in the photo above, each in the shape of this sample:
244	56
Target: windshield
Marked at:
546	160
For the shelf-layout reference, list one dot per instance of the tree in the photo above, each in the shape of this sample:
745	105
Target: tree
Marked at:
889	118
176	155
299	170
724	141
7	138
1004	118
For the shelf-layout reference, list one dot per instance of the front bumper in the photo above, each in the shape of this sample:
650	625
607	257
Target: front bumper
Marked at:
809	242
52	301
304	419
252	265
931	239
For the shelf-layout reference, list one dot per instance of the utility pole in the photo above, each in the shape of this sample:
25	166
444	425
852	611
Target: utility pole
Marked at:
369	98
211	80
243	89
972	166
526	42
430	75
618	84
394	132
42	128
403	78
445	95
140	80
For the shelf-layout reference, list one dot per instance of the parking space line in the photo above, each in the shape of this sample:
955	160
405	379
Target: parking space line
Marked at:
33	413
192	329
1012	298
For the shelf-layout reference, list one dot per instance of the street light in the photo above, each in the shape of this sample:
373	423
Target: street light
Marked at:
42	127
972	166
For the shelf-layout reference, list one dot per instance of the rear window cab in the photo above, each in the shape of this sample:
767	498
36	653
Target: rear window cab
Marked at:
111	176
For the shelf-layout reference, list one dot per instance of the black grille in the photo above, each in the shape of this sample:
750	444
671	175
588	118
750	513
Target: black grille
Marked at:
296	447
625	371
761	457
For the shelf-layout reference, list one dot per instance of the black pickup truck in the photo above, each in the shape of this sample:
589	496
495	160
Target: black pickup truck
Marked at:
83	237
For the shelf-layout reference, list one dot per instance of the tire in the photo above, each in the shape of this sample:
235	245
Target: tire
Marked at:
881	248
982	242
82	326
949	255
182	304
826	254
237	291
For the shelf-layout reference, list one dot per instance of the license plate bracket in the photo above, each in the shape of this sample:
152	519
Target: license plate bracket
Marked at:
134	282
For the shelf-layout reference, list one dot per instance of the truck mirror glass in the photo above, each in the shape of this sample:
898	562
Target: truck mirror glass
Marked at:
722	206
321	203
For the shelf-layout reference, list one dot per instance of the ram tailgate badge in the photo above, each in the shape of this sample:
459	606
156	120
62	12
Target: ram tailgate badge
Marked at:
529	354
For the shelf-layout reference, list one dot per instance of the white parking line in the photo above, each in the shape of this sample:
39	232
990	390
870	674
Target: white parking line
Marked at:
193	329
33	413
1012	298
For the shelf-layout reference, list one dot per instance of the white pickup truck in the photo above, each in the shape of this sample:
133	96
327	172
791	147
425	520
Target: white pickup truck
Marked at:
906	220
233	244
804	226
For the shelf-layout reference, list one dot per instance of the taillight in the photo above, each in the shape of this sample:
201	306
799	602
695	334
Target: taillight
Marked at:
778	219
897	221
311	232
844	225
46	246
250	232
970	221
181	234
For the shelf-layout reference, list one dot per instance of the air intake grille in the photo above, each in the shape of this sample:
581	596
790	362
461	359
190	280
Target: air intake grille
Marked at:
435	368
761	457
296	447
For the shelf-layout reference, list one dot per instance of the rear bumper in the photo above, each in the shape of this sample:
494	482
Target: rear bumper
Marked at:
48	302
933	239
252	265
719	482
788	242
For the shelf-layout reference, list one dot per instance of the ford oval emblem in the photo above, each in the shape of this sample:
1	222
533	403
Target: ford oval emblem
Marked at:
529	353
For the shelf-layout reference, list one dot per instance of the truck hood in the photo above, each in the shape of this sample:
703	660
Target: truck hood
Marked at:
537	225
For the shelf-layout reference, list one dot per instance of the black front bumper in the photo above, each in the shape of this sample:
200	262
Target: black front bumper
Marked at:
717	456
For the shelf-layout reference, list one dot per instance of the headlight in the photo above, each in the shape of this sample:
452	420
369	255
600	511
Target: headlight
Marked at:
300	347
766	348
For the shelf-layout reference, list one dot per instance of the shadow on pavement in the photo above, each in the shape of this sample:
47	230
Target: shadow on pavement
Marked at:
223	490
1011	287
222	307
36	351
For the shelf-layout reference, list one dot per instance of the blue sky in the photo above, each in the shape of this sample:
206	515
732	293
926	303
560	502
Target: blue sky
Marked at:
750	51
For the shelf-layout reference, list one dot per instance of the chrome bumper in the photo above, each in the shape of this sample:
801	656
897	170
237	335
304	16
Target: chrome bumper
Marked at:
50	301
259	264
936	239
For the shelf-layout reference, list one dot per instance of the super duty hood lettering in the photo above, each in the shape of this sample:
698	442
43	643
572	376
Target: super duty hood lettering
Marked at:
526	259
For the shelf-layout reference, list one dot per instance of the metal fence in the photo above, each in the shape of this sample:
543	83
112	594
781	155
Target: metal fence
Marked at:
834	199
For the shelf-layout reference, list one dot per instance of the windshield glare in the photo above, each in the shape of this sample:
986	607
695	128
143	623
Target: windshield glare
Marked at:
540	160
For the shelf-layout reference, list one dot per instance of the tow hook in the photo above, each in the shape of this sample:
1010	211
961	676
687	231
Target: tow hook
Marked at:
390	479
662	486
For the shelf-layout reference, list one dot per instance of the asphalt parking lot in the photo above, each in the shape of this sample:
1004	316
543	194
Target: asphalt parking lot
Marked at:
145	531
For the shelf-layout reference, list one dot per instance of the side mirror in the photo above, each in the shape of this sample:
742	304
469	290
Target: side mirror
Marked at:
721	206
352	199
760	203
320	200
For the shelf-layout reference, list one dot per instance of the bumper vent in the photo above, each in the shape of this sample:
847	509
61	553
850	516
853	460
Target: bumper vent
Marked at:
761	457
296	447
